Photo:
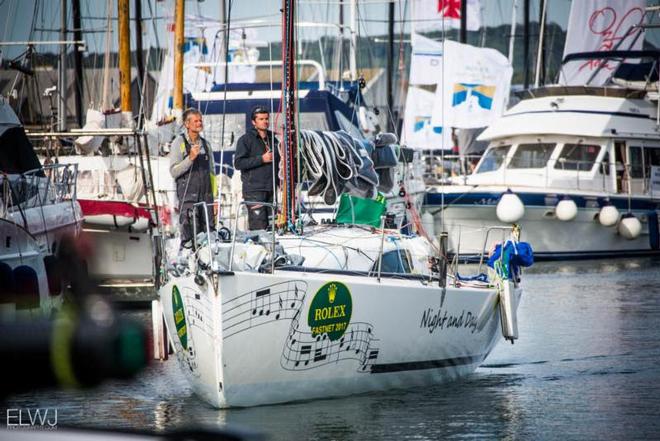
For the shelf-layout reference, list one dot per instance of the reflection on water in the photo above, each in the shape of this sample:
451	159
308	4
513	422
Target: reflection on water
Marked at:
595	266
587	366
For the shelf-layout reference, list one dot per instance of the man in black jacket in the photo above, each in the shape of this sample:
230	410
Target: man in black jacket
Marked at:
257	157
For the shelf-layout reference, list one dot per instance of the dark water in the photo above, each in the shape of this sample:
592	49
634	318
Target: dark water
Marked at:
587	366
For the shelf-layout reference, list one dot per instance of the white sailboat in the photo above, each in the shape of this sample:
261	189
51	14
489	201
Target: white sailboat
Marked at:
38	208
325	310
118	185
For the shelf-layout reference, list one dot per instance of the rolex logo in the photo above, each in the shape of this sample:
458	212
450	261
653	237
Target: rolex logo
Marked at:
332	293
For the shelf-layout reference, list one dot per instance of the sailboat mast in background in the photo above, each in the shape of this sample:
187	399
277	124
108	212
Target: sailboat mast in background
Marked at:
125	63
179	11
77	61
61	102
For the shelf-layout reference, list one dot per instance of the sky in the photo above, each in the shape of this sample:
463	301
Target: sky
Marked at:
16	17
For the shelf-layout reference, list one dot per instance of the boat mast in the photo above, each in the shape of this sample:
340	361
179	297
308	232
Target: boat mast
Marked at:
526	44
390	66
540	54
139	60
352	52
77	61
512	38
463	31
125	62
105	99
179	24
61	102
290	138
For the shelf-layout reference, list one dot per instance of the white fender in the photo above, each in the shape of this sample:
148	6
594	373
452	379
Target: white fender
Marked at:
508	317
566	210
510	208
608	216
630	227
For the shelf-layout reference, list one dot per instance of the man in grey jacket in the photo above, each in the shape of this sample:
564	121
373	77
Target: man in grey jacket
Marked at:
193	168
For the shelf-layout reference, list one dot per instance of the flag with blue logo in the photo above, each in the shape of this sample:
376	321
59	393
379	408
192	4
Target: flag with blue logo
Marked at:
475	87
418	130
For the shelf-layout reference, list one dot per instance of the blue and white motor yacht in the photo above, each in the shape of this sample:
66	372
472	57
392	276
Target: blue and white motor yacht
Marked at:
577	167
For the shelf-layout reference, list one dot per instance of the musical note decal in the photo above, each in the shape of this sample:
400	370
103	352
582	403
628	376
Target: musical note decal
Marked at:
328	336
280	301
304	351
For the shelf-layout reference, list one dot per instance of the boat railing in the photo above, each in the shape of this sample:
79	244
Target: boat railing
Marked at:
205	210
514	232
51	184
247	204
63	178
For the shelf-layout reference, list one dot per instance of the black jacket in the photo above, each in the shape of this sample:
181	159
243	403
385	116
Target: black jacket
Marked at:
256	175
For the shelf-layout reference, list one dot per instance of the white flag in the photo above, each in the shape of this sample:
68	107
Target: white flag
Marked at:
425	61
475	88
418	131
600	25
436	15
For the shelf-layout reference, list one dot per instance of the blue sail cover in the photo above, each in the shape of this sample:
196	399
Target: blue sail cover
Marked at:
515	255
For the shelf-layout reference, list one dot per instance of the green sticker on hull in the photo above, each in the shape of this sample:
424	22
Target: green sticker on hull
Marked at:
330	310
179	317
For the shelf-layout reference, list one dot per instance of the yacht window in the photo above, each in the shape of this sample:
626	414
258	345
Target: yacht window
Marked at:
493	159
635	162
652	156
577	157
532	155
605	164
397	261
234	129
313	121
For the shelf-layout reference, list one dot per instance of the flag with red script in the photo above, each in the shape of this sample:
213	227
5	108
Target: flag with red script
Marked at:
600	25
436	15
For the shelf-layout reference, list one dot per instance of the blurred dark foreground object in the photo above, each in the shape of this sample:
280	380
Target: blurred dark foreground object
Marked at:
80	345
71	434
73	350
83	344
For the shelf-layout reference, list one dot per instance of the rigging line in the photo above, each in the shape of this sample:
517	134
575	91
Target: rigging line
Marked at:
92	92
33	24
225	53
33	56
9	15
145	91
275	167
153	23
400	61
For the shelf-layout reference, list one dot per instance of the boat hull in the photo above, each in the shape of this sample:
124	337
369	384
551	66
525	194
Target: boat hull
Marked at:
23	252
270	338
120	255
467	217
